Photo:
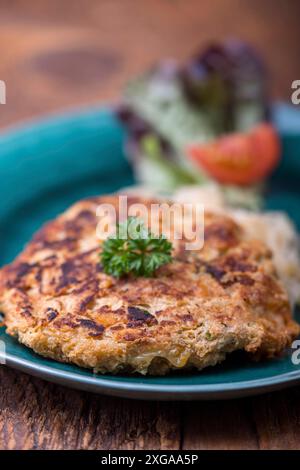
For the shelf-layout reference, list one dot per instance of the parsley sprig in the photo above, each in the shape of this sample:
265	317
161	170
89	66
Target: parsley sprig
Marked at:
134	250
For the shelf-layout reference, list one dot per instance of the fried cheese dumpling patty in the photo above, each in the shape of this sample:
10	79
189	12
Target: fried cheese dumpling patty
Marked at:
57	300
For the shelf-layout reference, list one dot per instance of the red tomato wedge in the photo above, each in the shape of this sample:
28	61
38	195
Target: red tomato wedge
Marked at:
240	158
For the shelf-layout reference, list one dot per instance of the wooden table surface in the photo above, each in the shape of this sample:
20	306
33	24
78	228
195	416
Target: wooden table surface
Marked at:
60	54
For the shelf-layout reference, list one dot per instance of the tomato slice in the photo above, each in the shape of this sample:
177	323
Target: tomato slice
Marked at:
240	158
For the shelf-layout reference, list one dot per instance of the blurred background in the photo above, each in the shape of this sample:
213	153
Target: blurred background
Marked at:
56	54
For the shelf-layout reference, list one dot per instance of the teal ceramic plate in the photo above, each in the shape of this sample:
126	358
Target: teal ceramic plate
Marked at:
48	165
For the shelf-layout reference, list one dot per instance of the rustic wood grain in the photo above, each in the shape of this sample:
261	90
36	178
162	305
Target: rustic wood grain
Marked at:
37	415
53	56
277	419
227	425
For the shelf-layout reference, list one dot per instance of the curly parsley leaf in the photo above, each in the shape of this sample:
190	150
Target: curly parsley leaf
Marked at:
134	250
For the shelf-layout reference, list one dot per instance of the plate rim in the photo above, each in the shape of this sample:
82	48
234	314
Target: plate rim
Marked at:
154	391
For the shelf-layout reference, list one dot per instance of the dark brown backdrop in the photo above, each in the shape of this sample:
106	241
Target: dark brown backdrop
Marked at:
58	53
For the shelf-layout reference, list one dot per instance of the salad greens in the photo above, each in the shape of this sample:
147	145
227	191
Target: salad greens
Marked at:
221	89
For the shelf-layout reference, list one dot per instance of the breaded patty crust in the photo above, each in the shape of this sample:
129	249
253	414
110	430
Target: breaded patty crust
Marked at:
57	300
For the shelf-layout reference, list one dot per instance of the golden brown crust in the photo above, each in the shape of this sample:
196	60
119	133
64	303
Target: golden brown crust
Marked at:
57	300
